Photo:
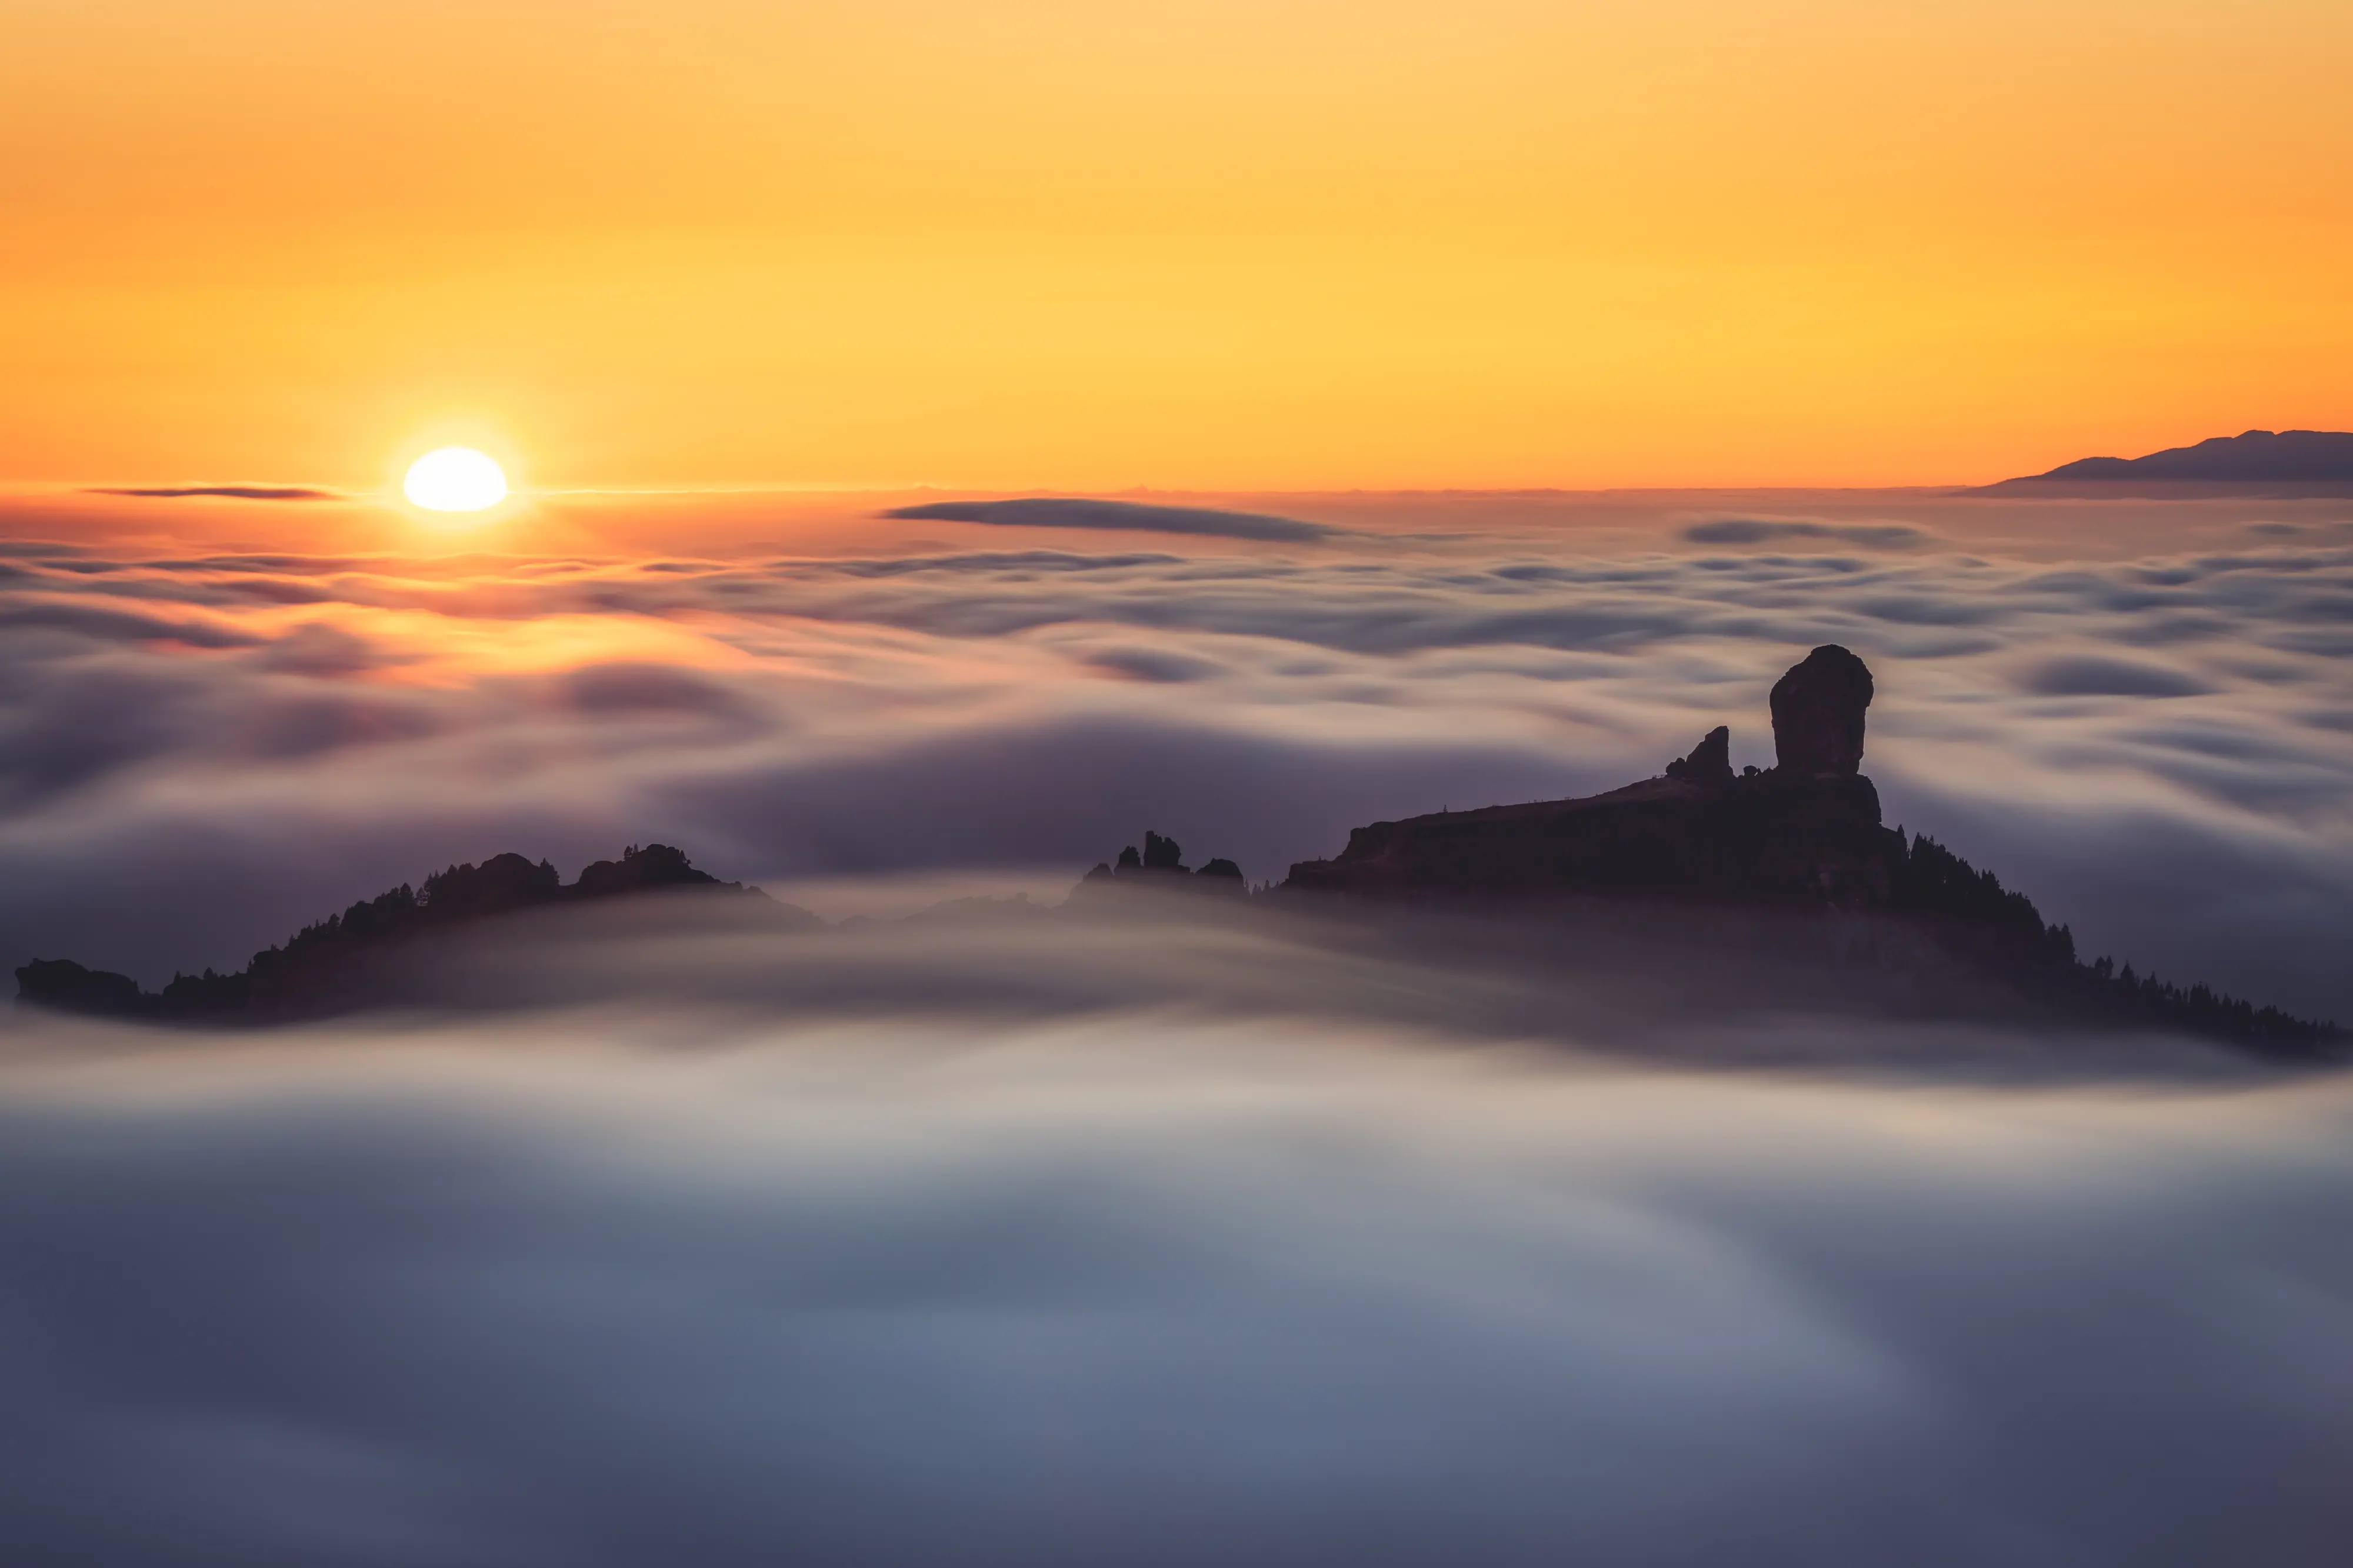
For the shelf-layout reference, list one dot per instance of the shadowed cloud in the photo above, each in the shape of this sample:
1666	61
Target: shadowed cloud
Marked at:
320	649
230	492
1152	664
122	626
647	689
2092	675
1078	512
1775	530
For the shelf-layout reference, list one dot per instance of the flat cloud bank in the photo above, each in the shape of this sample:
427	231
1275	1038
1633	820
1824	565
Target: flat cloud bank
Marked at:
1164	1252
1075	512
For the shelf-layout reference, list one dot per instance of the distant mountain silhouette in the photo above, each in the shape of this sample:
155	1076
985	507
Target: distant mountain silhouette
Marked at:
341	962
2255	456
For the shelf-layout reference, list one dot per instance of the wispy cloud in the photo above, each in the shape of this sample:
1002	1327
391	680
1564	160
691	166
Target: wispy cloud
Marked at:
232	492
1057	512
2090	675
1776	531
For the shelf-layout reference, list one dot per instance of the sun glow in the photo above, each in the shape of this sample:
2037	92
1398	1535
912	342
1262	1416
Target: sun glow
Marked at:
455	479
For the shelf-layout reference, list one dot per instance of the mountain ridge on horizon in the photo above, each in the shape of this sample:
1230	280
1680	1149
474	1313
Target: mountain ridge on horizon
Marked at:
2251	457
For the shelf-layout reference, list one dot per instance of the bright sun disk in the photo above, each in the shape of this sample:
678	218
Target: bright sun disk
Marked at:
455	479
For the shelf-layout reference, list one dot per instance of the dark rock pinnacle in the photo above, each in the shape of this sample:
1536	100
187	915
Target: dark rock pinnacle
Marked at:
1818	714
1710	761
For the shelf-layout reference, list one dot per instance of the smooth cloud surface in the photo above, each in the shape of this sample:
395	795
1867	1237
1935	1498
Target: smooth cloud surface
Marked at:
1111	1286
1069	511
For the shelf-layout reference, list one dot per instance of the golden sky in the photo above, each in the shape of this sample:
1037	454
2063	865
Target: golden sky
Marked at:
1222	244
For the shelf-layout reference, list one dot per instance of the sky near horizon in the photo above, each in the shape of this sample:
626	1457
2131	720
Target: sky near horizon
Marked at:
1077	244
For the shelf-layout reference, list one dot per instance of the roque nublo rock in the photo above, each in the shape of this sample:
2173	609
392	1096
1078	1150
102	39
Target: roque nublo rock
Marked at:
1805	832
1818	711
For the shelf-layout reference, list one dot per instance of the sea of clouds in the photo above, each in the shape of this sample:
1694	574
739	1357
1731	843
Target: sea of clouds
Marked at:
2141	714
1149	1233
1025	1245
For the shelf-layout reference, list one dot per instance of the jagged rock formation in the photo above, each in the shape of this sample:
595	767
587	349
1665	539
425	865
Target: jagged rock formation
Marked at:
343	958
1762	838
1161	865
1804	835
1806	832
1710	761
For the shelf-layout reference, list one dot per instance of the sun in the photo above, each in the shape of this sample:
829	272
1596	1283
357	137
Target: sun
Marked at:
455	479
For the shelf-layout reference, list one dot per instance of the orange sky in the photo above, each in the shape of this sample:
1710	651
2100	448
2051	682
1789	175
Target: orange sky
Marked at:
1222	244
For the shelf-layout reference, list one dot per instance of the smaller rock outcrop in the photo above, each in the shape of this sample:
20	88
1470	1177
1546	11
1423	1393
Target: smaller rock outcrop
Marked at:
1710	761
64	986
1160	864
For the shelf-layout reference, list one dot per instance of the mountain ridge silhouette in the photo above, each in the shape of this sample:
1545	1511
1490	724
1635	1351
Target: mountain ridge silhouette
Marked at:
2268	457
1801	839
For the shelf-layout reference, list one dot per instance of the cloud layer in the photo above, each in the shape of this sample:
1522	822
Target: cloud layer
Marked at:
225	492
1002	1238
201	750
1119	516
1777	530
1103	1285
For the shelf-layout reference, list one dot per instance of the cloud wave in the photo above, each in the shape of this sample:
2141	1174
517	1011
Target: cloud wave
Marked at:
1118	1286
1059	511
1774	530
232	743
230	492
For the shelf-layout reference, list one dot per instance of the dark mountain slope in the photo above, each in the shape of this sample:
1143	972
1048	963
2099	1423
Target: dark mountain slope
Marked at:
1803	836
342	960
